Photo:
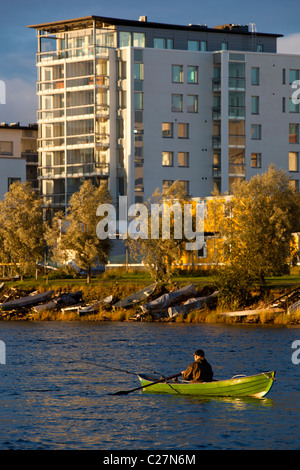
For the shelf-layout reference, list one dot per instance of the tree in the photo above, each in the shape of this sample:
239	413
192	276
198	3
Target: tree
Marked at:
161	250
261	217
21	228
75	234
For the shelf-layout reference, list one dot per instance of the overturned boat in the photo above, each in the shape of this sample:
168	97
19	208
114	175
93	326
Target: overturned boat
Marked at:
166	300
136	297
27	301
192	304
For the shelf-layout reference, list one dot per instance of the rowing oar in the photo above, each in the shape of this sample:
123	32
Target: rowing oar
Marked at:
126	392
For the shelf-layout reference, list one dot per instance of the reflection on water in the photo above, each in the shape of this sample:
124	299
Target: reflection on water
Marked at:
51	399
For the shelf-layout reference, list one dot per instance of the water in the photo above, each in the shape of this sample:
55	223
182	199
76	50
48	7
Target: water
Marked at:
51	401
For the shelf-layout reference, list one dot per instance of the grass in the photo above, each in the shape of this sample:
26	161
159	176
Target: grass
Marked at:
122	283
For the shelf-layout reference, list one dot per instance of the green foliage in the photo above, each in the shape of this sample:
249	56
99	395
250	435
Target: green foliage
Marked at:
21	228
158	254
261	217
74	236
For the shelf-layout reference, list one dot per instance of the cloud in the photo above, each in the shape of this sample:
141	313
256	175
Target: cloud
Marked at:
289	44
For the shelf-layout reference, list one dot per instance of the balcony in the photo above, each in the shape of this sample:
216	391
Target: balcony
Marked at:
216	112
216	142
216	84
236	112
216	171
237	169
236	83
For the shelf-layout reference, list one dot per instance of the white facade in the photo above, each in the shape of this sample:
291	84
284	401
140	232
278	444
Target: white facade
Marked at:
144	104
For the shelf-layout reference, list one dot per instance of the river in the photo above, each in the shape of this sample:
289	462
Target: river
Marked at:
52	400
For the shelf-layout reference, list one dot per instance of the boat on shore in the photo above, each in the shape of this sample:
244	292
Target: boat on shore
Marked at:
238	386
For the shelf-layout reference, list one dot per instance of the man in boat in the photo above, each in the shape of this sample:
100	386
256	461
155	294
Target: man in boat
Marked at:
200	370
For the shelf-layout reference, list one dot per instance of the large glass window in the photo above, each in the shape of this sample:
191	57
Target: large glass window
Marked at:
167	158
255	160
293	75
177	103
254	104
183	130
255	76
177	73
124	39
294	133
6	148
183	159
293	161
192	74
193	46
138	40
139	71
192	103
138	100
167	129
255	131
293	107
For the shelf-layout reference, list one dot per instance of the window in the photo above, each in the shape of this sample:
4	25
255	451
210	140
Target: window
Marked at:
177	73
138	100
203	46
293	107
10	181
283	77
167	158
138	39
159	43
283	104
255	131
183	159
163	43
224	46
6	148
193	46
293	133
166	184
255	160
255	76
185	185
192	74
259	48
167	129
192	103
124	39
293	75
177	103
293	161
183	130
139	71
254	104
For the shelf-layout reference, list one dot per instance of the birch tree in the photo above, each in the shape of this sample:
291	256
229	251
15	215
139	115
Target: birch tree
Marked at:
21	228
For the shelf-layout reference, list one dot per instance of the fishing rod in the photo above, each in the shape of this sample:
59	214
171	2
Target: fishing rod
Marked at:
114	368
104	366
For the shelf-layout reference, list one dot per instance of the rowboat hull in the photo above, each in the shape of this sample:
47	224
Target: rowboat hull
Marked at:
240	386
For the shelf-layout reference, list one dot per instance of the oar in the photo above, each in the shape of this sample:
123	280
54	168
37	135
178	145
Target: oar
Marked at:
125	392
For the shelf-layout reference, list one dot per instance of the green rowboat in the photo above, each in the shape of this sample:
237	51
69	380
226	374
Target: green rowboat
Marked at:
238	386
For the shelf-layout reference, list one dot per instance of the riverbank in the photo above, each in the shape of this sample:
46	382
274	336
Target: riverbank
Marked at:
121	284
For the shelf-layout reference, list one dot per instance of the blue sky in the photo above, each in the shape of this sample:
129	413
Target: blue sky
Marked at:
18	43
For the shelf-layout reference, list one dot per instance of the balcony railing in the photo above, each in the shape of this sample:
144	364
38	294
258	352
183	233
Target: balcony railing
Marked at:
236	112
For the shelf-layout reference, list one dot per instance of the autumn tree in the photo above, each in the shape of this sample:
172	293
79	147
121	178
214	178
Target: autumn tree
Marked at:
21	228
161	245
257	229
74	234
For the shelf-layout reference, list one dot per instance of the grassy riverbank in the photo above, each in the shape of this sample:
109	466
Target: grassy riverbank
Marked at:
122	283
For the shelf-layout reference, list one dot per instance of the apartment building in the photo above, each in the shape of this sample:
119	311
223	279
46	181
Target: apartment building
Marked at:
141	104
18	155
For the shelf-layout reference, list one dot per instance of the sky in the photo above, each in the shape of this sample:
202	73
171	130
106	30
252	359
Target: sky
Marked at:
18	43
